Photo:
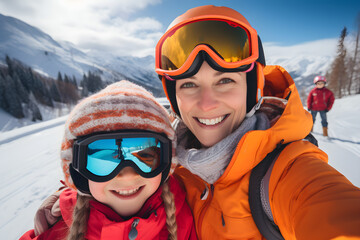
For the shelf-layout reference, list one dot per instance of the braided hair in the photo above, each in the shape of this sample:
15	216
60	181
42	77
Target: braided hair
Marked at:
80	217
170	209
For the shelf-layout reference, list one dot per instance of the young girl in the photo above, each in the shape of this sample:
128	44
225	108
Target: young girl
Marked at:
116	152
320	100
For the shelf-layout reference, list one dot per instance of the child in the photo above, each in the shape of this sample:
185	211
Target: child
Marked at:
320	100
116	152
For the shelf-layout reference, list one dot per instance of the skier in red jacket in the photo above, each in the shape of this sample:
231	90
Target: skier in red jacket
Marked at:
320	100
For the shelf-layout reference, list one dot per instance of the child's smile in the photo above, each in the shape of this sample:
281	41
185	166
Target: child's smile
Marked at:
126	193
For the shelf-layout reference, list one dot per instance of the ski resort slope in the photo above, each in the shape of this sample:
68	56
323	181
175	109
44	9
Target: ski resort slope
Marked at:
31	169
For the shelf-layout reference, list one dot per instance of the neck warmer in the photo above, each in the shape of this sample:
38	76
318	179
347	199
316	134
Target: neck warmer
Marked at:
210	163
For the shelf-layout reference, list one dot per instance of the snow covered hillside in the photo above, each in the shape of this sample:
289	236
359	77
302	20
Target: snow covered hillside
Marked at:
31	167
42	53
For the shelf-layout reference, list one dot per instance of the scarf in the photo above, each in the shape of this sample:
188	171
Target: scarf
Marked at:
210	163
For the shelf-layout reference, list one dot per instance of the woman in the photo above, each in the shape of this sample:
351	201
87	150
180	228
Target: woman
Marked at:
232	112
213	71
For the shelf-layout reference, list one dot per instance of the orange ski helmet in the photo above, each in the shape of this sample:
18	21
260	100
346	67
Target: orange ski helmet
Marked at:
220	36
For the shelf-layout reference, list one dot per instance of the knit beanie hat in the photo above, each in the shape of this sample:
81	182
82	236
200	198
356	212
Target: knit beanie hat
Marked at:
121	105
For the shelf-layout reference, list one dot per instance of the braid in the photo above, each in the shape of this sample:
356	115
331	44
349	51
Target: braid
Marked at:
170	210
80	217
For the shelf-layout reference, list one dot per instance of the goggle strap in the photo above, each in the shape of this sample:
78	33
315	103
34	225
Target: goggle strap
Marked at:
261	58
168	77
251	68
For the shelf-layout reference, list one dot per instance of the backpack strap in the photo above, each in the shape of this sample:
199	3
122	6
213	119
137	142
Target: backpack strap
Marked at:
265	225
259	192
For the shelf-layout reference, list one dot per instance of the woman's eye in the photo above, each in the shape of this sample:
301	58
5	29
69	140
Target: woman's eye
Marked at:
225	80
187	85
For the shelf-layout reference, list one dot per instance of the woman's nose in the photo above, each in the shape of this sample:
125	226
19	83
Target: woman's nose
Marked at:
207	99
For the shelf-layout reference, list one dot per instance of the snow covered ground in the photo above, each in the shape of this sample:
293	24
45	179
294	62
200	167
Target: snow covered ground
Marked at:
31	170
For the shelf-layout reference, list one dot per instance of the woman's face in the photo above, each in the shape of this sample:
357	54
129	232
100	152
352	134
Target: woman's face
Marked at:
212	104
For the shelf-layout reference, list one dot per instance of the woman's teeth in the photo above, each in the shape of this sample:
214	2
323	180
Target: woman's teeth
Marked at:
210	122
128	192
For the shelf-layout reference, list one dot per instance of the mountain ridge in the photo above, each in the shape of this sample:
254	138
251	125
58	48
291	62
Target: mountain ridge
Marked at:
45	55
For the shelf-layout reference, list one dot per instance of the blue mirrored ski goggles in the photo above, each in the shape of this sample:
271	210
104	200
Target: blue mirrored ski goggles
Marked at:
101	157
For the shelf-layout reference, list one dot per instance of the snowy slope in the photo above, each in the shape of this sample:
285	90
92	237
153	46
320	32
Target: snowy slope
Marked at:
38	50
31	167
41	52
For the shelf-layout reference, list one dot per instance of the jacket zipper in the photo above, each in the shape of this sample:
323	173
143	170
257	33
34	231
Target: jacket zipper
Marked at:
133	232
205	206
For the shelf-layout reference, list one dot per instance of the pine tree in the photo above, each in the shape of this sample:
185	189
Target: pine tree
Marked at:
338	74
66	79
54	92
35	111
3	104
84	86
74	81
9	62
59	78
41	93
354	68
12	99
22	93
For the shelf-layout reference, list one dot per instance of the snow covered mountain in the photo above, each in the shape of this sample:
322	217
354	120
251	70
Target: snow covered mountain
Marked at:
38	50
303	61
42	53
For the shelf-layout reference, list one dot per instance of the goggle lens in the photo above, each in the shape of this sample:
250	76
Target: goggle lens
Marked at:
103	156
228	39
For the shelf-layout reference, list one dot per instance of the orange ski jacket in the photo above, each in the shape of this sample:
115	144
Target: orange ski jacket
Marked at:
308	198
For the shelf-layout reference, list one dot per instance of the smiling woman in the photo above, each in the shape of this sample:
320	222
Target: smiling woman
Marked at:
231	116
212	104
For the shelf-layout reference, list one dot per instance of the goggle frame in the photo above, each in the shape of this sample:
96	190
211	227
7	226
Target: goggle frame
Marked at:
80	153
253	45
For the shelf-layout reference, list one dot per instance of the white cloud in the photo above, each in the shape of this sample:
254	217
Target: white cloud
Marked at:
318	48
91	24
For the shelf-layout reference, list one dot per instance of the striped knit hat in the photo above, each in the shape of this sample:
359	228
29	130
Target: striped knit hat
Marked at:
121	105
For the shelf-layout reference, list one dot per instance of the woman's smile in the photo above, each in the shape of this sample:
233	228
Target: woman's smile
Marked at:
212	104
211	121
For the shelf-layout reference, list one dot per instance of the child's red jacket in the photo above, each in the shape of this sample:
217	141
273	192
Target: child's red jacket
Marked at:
104	223
320	99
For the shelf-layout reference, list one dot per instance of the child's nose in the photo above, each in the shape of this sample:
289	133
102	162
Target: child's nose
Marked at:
127	172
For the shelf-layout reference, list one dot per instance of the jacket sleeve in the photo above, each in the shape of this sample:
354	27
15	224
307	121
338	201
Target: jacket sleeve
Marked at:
56	232
29	235
331	100
309	100
312	200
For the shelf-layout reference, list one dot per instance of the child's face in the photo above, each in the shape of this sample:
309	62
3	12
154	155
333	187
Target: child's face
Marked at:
126	193
320	84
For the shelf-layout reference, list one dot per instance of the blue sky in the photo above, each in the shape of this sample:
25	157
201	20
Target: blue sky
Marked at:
133	27
286	22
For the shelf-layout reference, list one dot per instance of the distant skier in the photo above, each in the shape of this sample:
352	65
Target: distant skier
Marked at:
320	100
